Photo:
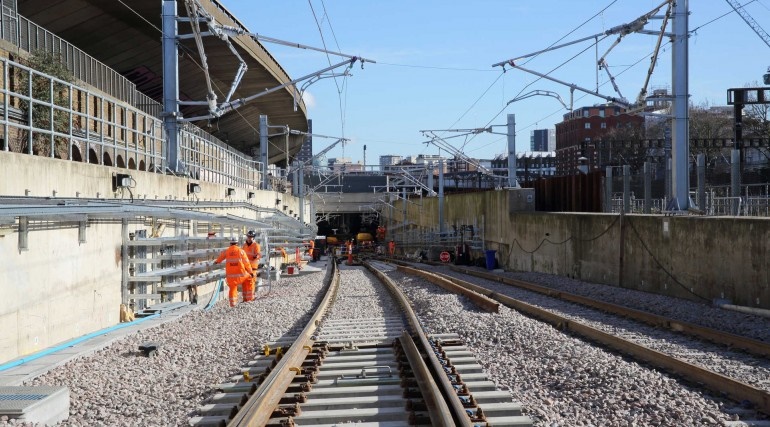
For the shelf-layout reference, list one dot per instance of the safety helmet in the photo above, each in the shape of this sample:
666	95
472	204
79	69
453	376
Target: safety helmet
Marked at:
234	240
251	233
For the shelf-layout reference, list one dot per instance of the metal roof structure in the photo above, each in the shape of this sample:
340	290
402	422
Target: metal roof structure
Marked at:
126	36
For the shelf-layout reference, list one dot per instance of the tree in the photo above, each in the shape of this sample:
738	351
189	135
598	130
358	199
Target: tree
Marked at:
709	123
624	146
46	94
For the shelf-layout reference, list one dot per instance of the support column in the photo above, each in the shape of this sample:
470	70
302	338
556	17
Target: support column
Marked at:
701	162
647	187
512	181
735	156
430	176
680	132
608	190
735	180
265	185
441	196
626	188
171	85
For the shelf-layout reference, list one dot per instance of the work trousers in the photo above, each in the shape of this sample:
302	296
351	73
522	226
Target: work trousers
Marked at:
248	289
233	283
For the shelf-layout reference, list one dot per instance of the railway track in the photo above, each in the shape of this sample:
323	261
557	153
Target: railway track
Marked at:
701	355
362	358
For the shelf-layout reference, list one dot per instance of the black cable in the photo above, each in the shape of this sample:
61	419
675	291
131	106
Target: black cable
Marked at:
609	227
660	265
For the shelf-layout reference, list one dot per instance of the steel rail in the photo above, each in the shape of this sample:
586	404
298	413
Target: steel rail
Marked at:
454	410
258	409
437	409
468	290
749	345
732	388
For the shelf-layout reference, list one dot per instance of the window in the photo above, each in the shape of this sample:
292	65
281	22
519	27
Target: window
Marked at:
604	125
588	125
601	113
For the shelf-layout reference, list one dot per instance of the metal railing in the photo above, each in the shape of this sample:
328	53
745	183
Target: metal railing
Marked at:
73	123
80	124
70	122
209	159
32	37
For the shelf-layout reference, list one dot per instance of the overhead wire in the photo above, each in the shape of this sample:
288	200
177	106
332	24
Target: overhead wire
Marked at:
328	58
431	67
539	78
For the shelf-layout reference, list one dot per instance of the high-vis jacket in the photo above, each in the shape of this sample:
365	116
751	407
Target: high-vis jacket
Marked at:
237	267
253	253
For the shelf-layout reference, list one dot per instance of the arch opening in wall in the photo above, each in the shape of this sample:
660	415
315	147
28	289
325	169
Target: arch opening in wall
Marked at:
107	160
93	158
76	156
142	165
120	162
132	163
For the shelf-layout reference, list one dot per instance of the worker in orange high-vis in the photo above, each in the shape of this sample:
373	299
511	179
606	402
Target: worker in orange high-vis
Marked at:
391	248
237	269
284	257
253	254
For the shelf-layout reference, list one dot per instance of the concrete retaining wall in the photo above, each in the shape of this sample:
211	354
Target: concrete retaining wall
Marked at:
59	288
698	258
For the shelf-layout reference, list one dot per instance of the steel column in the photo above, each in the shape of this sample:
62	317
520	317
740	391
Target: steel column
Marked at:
170	84
512	181
263	150
680	129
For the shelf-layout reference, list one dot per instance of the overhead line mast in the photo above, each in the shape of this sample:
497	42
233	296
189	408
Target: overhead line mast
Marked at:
679	199
198	14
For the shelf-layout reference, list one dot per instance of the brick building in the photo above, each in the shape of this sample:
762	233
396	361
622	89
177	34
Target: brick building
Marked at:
578	135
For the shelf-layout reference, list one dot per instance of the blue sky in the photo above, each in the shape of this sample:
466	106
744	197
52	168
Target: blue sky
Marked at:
434	63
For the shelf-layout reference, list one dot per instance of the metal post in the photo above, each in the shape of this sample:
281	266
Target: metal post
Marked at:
170	85
301	192
626	188
647	187
286	142
403	227
263	150
512	181
294	180
735	179
441	196
124	261
735	165
701	162
680	134
430	175
669	185
608	190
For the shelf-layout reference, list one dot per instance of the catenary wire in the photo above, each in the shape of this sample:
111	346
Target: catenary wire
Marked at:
328	58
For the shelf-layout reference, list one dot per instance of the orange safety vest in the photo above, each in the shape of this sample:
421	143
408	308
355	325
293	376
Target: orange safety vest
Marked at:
237	266
253	253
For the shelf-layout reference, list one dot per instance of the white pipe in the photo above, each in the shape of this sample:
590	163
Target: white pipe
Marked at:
748	310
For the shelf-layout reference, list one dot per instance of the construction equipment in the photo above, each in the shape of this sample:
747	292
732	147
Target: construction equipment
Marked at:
738	8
